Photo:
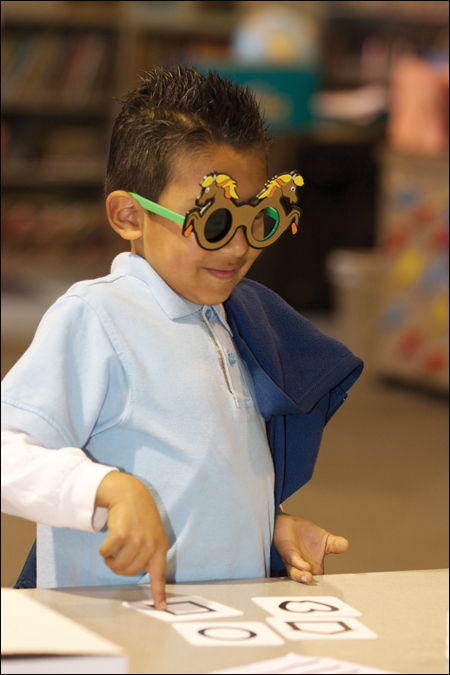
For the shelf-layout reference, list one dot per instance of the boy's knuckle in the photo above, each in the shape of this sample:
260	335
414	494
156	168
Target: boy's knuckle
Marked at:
150	549
161	541
136	540
119	539
117	567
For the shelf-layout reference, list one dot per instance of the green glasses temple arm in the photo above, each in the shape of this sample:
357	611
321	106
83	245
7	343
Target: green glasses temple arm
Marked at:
159	210
176	217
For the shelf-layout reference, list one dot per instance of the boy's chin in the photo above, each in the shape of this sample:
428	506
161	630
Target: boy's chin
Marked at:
214	296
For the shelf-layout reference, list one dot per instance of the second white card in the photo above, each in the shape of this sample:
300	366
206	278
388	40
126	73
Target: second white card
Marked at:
340	629
228	634
185	608
312	608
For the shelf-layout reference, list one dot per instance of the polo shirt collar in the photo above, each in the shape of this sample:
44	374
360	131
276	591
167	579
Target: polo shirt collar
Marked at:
171	302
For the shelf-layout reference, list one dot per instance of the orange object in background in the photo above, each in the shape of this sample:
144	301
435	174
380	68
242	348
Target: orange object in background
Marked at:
419	112
435	361
410	342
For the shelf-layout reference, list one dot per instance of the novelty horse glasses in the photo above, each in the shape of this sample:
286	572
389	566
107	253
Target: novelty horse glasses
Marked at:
217	214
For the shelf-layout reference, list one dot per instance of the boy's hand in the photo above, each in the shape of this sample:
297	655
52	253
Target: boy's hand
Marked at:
303	546
136	539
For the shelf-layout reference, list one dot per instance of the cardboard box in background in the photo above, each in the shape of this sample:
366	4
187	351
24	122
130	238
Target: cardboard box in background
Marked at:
413	325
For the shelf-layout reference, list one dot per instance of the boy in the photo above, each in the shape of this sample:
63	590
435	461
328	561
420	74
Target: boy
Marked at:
181	423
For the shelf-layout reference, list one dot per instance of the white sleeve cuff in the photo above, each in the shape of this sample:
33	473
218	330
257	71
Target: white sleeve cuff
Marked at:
77	500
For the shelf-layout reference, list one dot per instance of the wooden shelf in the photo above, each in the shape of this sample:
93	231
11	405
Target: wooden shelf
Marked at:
50	109
59	14
35	174
395	19
433	14
127	16
187	25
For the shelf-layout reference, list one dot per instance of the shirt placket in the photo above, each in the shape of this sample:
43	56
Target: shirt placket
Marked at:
226	356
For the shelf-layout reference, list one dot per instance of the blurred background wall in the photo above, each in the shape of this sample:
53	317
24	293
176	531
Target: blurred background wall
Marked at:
356	94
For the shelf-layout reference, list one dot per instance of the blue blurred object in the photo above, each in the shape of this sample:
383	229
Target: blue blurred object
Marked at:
394	316
408	196
435	275
276	34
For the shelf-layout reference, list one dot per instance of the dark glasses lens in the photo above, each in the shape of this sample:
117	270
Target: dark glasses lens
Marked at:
217	226
265	224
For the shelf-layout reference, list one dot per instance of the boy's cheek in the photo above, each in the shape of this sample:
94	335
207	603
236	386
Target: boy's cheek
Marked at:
253	255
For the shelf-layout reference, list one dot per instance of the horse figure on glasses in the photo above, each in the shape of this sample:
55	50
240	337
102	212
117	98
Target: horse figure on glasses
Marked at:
218	191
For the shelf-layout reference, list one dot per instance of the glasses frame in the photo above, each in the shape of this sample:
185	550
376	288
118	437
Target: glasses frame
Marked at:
283	209
158	209
196	221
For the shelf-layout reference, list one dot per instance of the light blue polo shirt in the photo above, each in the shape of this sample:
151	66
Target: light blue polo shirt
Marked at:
144	380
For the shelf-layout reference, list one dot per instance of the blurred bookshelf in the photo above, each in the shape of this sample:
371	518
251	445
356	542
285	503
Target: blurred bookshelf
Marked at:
362	40
428	11
63	64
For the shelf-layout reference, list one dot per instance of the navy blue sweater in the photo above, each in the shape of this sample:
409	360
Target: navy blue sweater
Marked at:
301	377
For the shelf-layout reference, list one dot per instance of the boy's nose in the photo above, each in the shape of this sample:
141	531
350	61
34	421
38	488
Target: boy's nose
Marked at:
238	244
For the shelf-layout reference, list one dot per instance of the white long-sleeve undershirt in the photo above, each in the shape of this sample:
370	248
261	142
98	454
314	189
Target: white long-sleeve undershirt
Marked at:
52	487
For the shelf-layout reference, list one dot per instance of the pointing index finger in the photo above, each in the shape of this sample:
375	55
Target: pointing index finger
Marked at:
157	571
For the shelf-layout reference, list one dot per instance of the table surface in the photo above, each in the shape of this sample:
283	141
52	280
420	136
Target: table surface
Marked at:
407	610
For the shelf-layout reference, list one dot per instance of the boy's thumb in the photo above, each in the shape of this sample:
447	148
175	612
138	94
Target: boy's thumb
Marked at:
337	544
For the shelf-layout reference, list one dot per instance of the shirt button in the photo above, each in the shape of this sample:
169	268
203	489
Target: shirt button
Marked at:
208	313
231	358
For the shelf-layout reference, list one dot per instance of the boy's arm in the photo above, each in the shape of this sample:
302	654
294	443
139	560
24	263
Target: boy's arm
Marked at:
53	487
302	546
62	488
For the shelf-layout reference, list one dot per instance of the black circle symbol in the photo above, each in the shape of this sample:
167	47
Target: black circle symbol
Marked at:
248	633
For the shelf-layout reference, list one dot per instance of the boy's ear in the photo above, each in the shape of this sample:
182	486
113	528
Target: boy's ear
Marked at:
125	215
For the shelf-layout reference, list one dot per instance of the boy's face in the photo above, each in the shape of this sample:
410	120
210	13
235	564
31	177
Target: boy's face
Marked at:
203	277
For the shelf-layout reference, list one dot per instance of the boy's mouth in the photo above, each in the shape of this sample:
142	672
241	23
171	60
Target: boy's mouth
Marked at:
225	274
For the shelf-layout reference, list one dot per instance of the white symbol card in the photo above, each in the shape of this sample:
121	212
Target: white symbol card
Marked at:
331	629
185	608
228	634
312	608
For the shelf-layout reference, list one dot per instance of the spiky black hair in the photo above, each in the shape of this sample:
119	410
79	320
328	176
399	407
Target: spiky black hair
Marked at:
177	109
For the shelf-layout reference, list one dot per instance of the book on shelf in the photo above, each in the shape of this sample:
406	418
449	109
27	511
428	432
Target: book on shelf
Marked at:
38	224
33	83
54	68
84	68
20	62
